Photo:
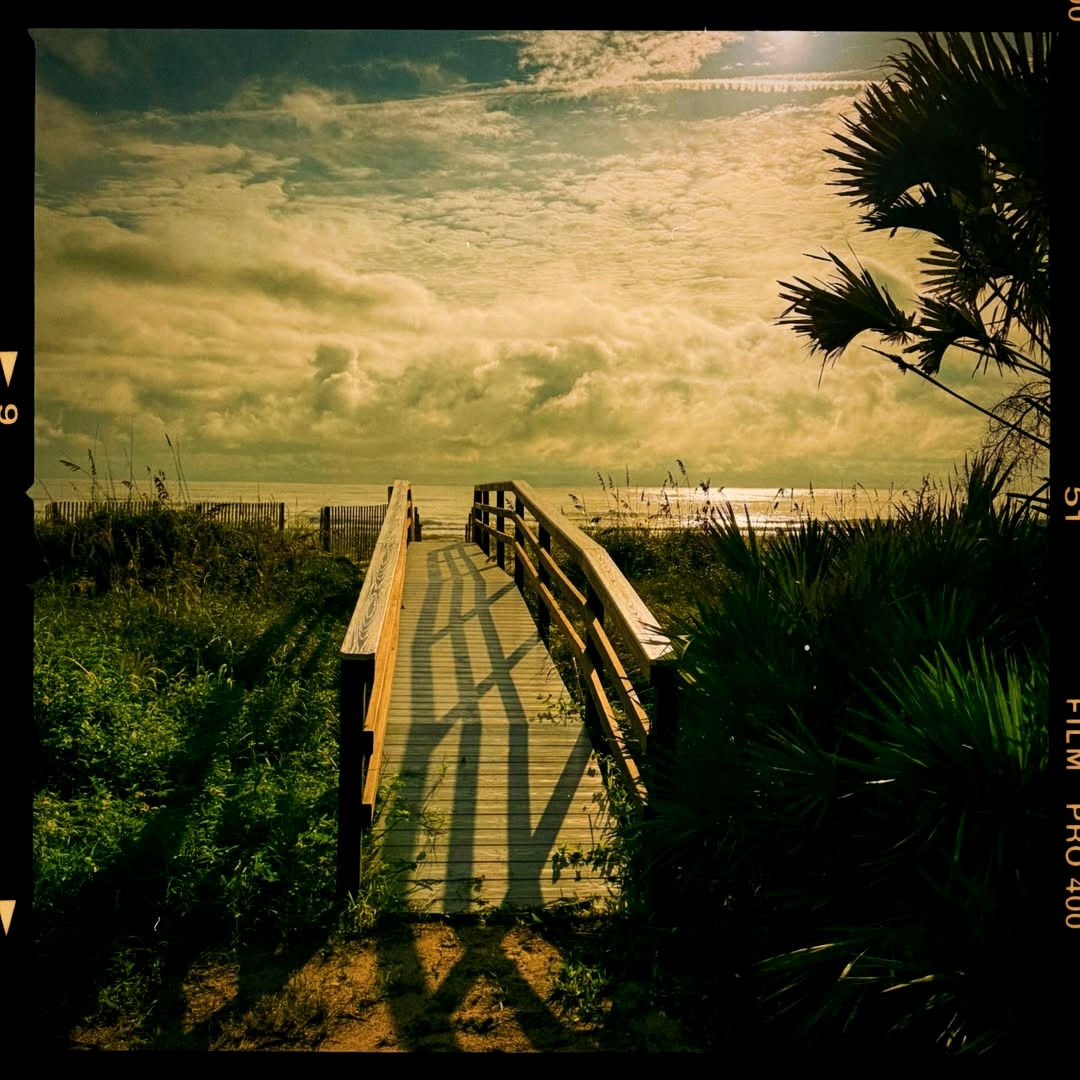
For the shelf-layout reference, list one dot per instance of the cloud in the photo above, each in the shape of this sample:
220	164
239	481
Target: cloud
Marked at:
421	77
85	50
312	109
308	280
66	137
581	62
198	256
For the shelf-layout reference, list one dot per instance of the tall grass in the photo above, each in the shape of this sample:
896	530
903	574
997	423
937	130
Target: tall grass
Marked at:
185	781
157	491
860	778
853	811
675	504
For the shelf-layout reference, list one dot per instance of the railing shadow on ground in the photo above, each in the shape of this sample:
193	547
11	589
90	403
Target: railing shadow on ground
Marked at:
625	661
589	619
468	667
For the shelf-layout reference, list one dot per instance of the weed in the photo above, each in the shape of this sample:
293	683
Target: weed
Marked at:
580	991
557	710
185	779
385	884
843	758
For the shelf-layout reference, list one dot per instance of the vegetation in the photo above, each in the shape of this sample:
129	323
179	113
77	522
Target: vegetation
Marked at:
185	787
859	787
845	852
953	144
185	794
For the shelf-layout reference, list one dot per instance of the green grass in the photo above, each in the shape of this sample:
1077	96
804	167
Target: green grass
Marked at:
185	782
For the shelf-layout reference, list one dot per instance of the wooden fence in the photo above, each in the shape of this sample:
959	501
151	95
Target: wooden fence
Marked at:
351	530
259	513
264	513
61	513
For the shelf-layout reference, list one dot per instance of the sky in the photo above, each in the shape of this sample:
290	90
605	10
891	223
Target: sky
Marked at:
462	256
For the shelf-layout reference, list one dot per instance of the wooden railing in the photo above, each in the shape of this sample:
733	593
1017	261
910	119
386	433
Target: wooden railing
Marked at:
601	624
367	667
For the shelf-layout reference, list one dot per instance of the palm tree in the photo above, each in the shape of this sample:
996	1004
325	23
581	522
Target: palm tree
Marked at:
954	143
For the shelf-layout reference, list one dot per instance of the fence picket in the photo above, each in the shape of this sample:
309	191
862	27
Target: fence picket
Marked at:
351	530
266	513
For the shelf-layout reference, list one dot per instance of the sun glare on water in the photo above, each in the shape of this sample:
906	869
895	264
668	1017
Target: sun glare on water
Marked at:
787	42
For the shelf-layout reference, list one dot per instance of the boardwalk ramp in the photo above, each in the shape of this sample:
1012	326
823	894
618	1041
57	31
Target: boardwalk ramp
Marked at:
491	770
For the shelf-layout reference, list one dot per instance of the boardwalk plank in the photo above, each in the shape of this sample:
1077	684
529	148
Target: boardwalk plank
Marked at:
482	737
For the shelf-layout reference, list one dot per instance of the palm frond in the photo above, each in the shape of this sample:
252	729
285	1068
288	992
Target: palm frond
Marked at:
955	142
832	315
945	325
943	101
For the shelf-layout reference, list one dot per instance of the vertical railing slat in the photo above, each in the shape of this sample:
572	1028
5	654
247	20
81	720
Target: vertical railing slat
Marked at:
357	678
543	616
519	540
500	547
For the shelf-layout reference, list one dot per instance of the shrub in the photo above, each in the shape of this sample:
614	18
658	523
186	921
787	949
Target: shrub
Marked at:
185	782
861	762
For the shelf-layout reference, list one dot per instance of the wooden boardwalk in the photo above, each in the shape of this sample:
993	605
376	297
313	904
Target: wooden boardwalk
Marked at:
492	762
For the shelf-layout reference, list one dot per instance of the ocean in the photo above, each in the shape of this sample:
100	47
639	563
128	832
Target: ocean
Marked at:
444	508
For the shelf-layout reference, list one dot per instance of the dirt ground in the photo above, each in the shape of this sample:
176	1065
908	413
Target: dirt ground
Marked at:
467	988
414	986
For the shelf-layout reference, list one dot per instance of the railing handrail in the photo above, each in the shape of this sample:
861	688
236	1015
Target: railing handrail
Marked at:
639	626
368	653
368	620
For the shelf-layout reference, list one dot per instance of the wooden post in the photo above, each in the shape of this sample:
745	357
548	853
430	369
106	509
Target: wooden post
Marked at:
519	540
595	606
357	680
543	616
281	517
663	738
324	528
664	731
485	537
500	547
474	517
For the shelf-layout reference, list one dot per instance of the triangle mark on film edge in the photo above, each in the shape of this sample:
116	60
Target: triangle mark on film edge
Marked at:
7	909
7	361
